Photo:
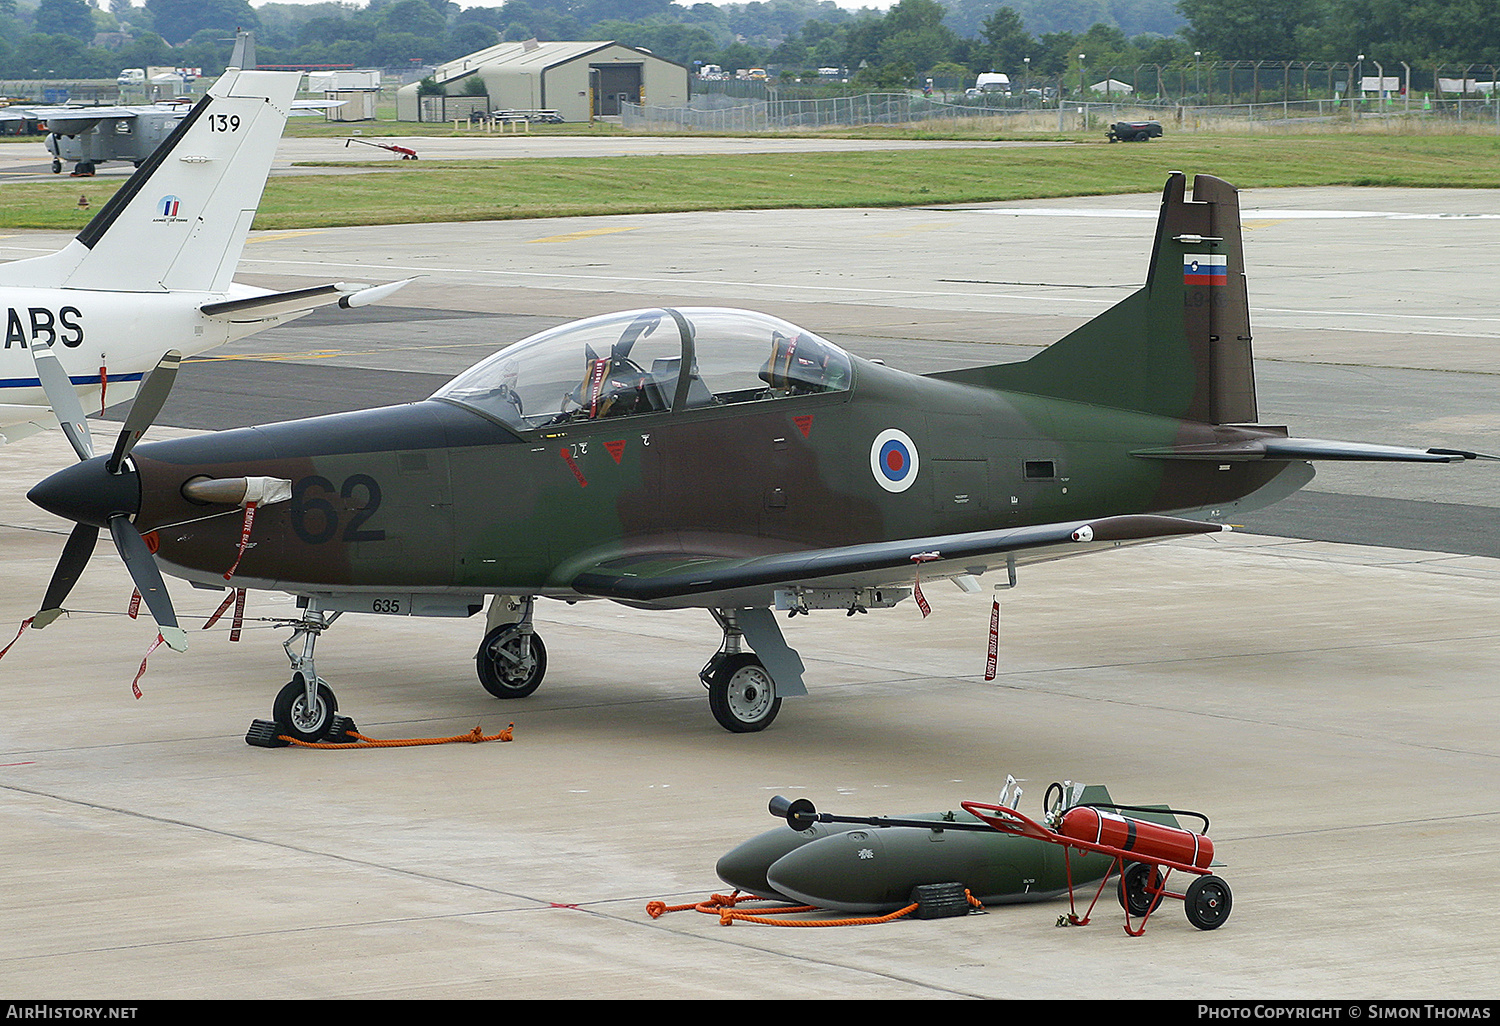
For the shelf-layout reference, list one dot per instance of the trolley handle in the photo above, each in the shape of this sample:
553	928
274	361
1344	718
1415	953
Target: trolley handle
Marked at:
1145	808
1009	821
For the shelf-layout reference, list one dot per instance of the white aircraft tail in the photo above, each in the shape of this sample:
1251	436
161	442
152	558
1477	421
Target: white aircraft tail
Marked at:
179	223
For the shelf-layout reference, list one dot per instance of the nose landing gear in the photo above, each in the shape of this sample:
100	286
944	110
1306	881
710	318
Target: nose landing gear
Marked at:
305	709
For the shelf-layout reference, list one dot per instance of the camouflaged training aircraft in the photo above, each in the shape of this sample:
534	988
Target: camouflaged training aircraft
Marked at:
153	268
718	459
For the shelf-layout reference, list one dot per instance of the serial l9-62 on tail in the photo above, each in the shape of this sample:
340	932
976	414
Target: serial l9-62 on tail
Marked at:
719	459
153	269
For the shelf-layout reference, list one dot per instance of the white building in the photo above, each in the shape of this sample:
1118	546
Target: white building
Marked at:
561	77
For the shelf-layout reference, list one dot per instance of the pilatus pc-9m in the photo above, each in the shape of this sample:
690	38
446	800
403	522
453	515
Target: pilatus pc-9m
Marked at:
715	459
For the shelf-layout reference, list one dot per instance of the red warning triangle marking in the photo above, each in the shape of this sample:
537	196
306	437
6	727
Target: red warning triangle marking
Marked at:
616	449
804	423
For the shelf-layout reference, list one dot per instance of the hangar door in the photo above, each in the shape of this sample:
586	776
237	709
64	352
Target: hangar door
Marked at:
614	83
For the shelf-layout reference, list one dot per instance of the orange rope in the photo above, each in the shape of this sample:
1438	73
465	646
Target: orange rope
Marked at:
723	906
473	737
714	903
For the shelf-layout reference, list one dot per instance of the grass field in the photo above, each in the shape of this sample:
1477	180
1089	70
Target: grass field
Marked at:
503	189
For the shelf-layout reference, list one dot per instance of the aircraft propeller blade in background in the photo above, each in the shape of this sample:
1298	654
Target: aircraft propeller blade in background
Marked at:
128	541
63	398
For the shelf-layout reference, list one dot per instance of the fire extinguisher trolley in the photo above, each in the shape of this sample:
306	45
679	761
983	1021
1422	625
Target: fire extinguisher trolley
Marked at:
1145	855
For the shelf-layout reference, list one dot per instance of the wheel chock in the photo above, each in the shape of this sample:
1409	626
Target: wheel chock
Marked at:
265	734
940	901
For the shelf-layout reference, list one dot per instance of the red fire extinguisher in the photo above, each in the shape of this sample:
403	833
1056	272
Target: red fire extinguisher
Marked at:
1151	842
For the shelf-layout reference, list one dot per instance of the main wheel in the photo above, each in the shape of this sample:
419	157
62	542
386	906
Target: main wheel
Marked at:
742	695
1208	902
296	718
1134	896
502	670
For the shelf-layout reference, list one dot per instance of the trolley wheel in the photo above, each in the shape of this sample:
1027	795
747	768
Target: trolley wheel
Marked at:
1134	896
1208	902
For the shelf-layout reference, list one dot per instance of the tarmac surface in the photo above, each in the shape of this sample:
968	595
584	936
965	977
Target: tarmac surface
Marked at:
1331	706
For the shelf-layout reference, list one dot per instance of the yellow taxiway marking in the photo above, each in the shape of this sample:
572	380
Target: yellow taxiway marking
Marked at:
916	229
571	236
319	354
278	236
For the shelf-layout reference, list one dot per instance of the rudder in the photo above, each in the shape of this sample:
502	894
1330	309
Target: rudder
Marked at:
179	223
1178	347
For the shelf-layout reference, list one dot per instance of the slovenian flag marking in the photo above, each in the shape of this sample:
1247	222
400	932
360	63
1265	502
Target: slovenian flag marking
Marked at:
1205	269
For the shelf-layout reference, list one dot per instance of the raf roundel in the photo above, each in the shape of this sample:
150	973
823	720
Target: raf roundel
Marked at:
893	460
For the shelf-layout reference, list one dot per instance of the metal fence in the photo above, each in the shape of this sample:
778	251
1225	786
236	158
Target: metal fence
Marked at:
1025	113
1201	82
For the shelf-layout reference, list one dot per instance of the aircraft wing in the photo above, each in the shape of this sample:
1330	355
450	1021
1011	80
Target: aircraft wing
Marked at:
18	111
309	108
299	301
1278	448
684	578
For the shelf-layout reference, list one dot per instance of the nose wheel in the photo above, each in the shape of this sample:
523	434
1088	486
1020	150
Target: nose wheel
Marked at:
301	718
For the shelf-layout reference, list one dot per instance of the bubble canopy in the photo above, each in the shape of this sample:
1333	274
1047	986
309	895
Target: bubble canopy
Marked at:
648	361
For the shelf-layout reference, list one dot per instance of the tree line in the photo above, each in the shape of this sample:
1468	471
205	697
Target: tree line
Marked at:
913	39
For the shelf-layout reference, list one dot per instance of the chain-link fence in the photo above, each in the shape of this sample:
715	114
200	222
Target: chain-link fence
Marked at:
1201	95
724	114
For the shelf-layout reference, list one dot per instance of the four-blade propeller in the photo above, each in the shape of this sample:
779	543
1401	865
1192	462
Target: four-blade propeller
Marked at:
93	501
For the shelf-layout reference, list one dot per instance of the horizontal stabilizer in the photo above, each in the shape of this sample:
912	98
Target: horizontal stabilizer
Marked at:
1309	449
662	577
297	301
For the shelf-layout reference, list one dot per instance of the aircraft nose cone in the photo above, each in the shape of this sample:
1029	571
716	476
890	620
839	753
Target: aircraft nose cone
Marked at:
86	493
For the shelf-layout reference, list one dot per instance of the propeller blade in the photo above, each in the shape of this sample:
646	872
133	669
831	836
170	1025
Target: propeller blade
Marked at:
148	581
63	399
75	556
148	403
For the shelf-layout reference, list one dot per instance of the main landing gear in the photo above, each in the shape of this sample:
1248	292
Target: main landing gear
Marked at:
511	660
741	693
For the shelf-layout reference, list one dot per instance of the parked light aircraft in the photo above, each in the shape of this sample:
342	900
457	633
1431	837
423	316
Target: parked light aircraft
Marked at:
153	268
715	459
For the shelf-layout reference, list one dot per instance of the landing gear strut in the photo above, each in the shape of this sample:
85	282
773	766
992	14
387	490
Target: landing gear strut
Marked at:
305	709
741	693
511	660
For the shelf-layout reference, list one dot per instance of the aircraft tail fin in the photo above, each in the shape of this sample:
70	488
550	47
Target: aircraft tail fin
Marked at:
1178	347
179	223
